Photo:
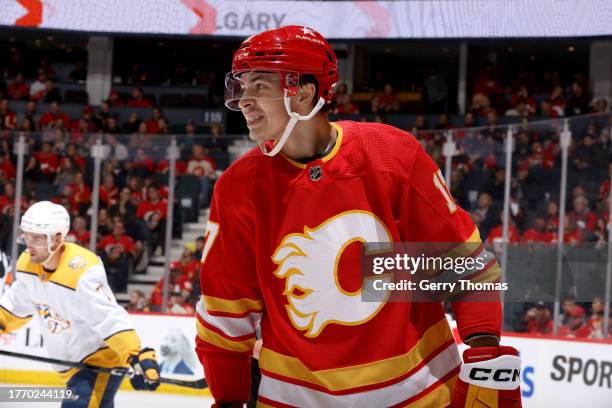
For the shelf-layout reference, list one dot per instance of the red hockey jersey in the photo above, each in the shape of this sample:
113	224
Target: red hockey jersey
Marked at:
283	248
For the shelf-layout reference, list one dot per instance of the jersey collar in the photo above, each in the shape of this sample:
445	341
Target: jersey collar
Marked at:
325	158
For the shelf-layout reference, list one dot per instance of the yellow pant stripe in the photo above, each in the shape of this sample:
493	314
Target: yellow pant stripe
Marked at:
98	390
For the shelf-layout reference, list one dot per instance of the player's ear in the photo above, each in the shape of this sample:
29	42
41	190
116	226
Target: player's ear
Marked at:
55	240
306	96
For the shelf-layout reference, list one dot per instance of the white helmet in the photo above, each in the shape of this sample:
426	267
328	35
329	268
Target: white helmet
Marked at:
45	217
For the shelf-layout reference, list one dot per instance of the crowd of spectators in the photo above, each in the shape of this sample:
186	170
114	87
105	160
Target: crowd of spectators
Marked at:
184	285
549	97
526	97
100	120
132	201
478	181
576	321
133	184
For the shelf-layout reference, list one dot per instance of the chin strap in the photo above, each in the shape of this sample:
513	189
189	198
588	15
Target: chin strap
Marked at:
51	252
293	120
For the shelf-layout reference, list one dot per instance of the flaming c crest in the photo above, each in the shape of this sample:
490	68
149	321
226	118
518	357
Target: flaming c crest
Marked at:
309	264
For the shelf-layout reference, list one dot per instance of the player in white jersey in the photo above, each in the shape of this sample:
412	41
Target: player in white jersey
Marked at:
4	271
63	286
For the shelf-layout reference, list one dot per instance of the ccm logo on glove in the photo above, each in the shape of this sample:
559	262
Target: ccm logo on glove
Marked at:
501	373
484	374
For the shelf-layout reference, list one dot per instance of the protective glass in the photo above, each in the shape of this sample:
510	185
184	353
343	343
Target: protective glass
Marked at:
261	85
34	240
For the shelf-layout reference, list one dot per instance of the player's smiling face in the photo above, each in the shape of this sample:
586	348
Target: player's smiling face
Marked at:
262	105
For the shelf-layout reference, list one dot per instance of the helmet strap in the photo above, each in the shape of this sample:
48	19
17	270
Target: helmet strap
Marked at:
293	120
51	252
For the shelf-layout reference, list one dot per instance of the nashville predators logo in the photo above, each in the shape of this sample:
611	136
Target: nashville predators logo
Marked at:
55	324
77	262
309	264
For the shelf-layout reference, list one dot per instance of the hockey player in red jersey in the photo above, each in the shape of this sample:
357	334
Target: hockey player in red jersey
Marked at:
282	249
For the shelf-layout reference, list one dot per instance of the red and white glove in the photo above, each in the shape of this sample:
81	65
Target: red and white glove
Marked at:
489	378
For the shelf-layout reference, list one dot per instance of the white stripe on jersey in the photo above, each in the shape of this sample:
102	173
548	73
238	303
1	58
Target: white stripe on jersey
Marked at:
231	326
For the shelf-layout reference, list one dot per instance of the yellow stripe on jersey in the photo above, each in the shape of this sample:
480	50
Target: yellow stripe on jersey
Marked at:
325	158
337	145
466	248
439	397
346	378
238	306
470	248
475	237
75	261
209	336
10	322
125	343
491	275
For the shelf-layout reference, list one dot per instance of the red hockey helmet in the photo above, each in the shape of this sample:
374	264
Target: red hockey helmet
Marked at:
291	49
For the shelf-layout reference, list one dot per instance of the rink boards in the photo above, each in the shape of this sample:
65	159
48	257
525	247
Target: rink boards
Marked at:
555	372
172	337
560	372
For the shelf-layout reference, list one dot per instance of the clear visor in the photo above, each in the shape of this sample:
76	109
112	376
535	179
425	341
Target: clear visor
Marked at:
260	85
33	240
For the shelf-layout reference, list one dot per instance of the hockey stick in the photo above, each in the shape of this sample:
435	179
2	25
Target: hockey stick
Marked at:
119	371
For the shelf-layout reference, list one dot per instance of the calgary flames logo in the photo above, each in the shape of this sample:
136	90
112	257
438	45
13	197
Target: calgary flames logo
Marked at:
55	323
309	264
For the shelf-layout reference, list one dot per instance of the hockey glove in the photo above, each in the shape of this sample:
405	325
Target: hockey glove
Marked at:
146	370
489	378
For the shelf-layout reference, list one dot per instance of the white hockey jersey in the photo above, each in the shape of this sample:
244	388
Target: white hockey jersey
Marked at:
5	266
77	311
